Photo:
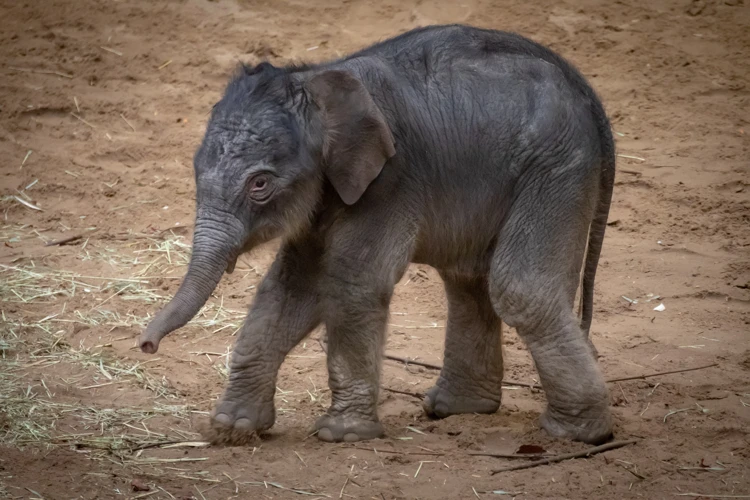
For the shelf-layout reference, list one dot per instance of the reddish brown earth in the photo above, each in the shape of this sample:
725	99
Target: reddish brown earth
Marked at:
674	78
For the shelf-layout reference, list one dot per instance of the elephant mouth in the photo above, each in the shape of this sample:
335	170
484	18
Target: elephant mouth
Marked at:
231	263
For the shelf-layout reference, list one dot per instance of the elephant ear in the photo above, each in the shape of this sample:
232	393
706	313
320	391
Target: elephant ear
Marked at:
357	141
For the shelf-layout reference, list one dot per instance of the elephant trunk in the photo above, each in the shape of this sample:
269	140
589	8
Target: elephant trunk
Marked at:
213	253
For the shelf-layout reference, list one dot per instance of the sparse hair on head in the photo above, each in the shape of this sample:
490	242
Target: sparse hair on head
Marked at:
263	79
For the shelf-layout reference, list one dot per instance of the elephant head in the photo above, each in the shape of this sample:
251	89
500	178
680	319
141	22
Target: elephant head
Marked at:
273	141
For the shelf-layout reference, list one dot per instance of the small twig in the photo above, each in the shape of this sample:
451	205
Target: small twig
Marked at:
300	458
648	375
28	153
165	491
421	463
75	101
165	64
417	395
409	361
702	469
115	52
40	497
631	157
513	383
69	239
199	492
105	384
82	120
171	444
144	495
507	455
168	460
26	203
41	71
341	493
397	452
646	408
126	121
631	172
673	412
707	495
642	478
623	394
567	456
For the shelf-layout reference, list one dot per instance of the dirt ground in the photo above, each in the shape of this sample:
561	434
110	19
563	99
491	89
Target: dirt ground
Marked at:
102	105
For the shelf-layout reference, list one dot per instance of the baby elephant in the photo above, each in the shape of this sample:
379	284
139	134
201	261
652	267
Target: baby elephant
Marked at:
477	152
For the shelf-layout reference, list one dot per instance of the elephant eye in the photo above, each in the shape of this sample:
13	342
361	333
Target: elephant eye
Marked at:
260	183
261	188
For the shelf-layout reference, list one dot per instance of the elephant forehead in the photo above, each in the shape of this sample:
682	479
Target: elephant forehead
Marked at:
253	117
254	137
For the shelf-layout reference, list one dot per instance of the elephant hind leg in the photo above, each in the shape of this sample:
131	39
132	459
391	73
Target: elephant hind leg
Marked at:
533	280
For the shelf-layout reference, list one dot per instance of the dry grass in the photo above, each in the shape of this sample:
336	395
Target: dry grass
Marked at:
147	261
31	413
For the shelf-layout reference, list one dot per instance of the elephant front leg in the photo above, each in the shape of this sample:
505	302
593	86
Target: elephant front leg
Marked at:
355	324
368	252
284	312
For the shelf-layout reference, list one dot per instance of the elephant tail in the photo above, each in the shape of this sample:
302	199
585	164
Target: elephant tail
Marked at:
599	223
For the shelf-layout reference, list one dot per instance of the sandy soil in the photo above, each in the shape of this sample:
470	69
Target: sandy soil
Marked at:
102	105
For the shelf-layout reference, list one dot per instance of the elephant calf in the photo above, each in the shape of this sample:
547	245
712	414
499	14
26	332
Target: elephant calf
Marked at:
477	152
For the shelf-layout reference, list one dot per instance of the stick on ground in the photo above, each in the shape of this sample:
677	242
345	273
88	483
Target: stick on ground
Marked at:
127	122
417	395
69	239
409	361
433	366
637	377
631	172
566	456
41	71
397	452
508	455
82	120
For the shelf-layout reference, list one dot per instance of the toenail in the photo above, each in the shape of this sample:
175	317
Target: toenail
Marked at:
350	437
325	434
243	424
222	419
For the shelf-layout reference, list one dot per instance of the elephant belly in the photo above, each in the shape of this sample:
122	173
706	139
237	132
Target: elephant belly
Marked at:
459	242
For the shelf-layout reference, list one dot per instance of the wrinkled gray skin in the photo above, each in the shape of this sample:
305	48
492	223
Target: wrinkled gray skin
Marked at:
477	152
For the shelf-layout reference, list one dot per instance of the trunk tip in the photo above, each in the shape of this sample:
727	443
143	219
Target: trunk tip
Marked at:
148	346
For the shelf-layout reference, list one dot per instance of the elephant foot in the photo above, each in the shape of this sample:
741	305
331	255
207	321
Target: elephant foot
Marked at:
339	428
236	424
594	428
441	403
